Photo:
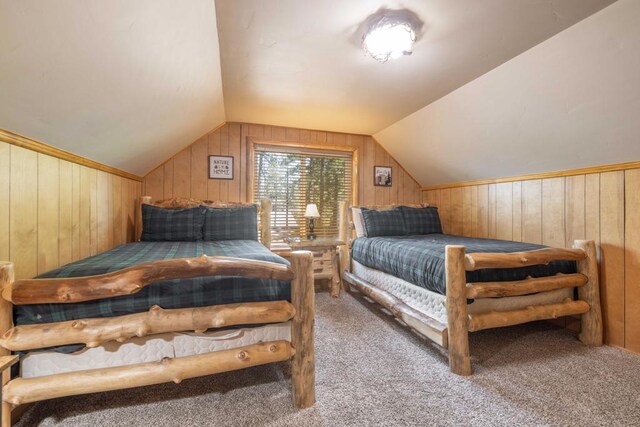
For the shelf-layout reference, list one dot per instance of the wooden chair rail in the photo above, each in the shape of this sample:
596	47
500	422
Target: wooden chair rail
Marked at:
94	332
25	390
477	261
527	286
131	280
499	319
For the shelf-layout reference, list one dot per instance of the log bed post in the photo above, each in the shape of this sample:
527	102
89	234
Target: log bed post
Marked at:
143	200
7	277
458	320
303	373
265	222
344	234
591	321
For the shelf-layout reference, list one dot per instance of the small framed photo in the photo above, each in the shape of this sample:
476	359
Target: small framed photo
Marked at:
382	176
220	167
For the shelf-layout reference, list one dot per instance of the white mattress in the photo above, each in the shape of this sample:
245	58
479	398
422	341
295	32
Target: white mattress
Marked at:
433	304
149	349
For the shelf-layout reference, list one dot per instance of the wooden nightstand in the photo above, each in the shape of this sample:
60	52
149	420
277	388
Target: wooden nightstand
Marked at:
325	258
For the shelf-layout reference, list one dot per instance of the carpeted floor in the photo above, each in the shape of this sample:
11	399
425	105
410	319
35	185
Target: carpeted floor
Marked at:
372	371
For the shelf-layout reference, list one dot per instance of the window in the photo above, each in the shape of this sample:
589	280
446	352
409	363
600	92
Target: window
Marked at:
293	177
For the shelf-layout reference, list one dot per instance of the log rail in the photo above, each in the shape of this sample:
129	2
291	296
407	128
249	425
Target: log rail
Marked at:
458	291
93	332
133	279
477	261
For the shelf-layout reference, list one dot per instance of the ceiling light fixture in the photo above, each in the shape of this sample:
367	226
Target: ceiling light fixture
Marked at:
389	36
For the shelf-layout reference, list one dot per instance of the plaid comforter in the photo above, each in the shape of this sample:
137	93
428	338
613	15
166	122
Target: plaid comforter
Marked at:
420	259
195	292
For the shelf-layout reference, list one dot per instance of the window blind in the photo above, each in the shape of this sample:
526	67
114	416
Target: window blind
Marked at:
292	178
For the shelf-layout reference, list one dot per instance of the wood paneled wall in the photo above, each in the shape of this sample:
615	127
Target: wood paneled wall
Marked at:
55	212
186	175
555	211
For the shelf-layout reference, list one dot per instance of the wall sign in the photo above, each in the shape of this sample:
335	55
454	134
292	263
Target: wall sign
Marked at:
382	176
220	167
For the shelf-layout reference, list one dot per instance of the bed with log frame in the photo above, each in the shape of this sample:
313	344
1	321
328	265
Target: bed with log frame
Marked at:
451	329
298	315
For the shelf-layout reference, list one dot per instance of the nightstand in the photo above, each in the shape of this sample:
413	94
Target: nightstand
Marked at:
325	258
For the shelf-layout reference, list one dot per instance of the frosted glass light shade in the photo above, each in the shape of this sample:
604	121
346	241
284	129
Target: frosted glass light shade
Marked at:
389	39
312	211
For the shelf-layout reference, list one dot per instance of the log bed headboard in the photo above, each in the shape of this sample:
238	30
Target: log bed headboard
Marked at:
264	212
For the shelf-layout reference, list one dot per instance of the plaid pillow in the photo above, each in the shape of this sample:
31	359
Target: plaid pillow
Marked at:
384	223
231	223
421	220
171	225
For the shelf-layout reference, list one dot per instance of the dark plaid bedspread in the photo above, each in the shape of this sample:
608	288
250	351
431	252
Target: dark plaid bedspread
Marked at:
420	259
195	292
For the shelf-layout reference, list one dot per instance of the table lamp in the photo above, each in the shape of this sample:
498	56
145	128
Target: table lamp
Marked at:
311	213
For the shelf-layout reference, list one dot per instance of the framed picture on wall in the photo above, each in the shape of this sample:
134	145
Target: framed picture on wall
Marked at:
382	176
220	167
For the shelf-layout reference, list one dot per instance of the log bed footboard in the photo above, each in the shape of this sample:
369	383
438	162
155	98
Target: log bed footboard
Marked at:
455	334
93	332
460	323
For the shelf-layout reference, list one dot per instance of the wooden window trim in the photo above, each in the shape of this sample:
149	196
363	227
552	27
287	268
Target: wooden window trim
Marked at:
253	141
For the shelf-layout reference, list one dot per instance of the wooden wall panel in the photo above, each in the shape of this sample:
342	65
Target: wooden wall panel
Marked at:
445	209
467	223
213	185
23	207
65	220
475	217
181	174
612	256
199	151
86	185
532	211
167	180
186	175
52	207
517	211
575	193
491	211
116	211
223	193
154	183
504	211
604	207
48	209
5	191
483	211
75	212
103	189
632	260
456	211
553	219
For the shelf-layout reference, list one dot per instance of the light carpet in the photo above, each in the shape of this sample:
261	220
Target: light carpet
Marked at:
373	371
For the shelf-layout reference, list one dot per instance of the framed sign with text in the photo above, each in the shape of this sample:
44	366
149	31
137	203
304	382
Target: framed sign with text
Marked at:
220	167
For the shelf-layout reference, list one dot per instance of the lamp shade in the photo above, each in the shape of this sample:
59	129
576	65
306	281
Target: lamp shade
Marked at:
312	211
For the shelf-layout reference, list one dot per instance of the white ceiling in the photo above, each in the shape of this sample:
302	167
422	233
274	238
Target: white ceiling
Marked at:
570	102
126	83
129	83
299	62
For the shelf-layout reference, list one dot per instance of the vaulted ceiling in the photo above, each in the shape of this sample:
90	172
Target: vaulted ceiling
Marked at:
300	63
125	83
130	83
